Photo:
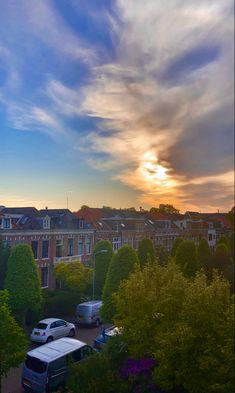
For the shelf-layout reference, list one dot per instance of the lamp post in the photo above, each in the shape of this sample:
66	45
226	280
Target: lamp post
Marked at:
93	286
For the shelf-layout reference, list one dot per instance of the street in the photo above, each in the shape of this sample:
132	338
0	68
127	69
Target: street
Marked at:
12	383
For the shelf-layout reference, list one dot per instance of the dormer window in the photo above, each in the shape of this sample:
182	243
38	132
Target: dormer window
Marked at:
46	223
6	223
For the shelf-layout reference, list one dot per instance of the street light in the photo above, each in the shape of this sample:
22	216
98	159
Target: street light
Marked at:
93	286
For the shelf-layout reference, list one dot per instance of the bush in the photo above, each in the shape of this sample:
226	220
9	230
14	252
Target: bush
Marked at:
60	303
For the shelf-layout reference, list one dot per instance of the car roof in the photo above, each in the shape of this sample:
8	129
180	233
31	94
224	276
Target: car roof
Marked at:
50	320
56	349
90	303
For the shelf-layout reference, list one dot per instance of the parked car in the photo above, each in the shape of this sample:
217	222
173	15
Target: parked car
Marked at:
50	329
46	368
88	313
105	335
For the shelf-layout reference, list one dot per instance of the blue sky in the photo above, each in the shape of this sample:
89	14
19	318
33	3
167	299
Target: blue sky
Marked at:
112	103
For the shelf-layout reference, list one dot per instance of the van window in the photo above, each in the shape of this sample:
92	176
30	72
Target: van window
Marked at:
76	355
35	364
83	310
57	365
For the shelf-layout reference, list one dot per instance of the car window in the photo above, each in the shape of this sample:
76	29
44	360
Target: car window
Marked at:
76	355
53	325
86	351
42	326
60	323
57	365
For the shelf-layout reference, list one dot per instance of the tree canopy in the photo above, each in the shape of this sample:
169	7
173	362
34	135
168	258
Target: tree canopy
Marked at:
23	282
146	251
224	240
186	325
73	276
175	245
204	254
231	216
102	254
13	343
186	258
164	208
121	265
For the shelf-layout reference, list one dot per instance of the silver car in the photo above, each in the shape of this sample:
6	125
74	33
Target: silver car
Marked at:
50	329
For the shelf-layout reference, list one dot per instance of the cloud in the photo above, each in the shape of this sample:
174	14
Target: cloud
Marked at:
184	126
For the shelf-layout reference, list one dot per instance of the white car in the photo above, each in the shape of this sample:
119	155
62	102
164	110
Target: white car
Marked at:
50	329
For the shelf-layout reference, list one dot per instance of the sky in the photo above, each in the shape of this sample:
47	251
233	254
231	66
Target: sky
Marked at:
117	102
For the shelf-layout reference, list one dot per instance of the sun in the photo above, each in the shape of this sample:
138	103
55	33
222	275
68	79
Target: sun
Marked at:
160	172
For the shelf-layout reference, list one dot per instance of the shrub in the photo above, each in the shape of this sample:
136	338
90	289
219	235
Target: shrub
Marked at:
60	303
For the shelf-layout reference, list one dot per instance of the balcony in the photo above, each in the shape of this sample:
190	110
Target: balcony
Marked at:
70	259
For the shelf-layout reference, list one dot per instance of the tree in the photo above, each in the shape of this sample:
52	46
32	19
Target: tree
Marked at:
4	255
176	243
231	241
162	255
102	261
221	258
204	254
73	276
184	324
121	265
223	240
13	343
146	251
186	258
231	217
84	207
23	282
164	208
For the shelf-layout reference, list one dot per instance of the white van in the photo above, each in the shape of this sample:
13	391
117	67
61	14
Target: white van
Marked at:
46	368
88	313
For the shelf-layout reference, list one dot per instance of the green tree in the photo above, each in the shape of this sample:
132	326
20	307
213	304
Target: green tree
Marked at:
162	255
102	255
231	242
224	240
186	258
23	282
4	255
175	245
73	276
146	251
185	324
231	217
164	208
204	254
221	258
13	343
121	265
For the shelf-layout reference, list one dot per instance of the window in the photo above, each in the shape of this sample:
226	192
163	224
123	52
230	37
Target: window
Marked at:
45	249
59	248
6	223
34	245
44	277
116	243
210	237
88	245
86	351
35	364
46	223
53	325
80	247
57	365
60	323
70	247
76	355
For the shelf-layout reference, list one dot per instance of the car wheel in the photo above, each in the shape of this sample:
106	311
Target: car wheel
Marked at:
72	333
50	339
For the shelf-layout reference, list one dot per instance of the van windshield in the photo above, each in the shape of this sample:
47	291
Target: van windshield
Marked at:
83	310
35	364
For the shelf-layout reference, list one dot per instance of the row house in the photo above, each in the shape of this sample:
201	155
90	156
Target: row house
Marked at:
54	235
119	226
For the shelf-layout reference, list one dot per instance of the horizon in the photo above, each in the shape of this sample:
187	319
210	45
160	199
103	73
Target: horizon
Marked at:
117	104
